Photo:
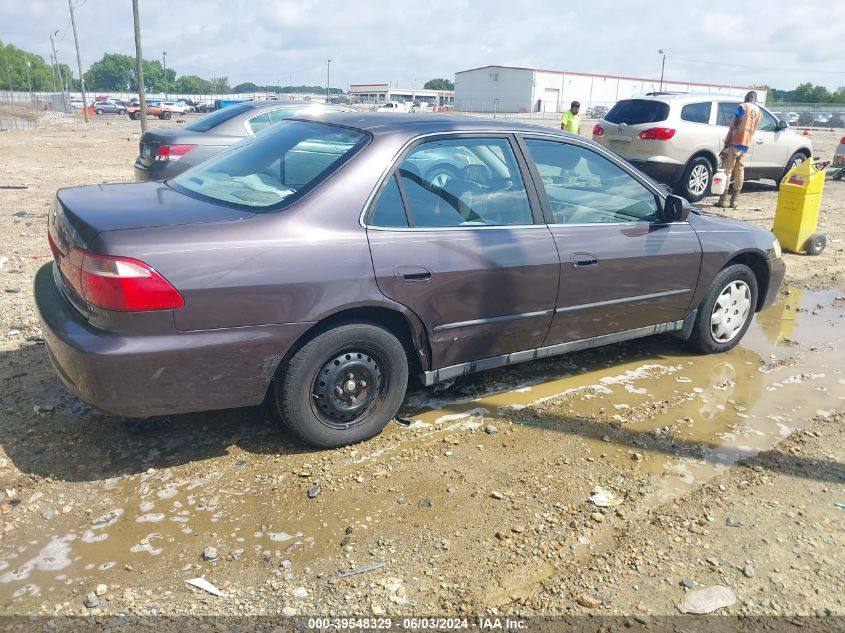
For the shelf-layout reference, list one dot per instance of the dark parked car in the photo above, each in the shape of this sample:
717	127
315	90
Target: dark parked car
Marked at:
109	107
317	262
164	153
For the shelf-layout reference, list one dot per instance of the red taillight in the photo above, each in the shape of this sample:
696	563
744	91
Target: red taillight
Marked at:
657	134
117	283
173	152
842	141
598	130
53	246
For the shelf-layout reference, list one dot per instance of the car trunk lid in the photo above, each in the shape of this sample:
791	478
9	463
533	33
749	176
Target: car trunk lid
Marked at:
80	214
150	146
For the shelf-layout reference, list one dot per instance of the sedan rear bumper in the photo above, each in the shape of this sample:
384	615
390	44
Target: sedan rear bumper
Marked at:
159	170
145	375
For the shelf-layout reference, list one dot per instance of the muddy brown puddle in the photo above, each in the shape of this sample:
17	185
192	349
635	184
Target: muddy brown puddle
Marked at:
686	416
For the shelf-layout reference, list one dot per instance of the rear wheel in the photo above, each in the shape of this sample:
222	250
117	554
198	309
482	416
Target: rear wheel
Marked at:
135	115
726	311
815	244
164	115
99	111
343	386
695	183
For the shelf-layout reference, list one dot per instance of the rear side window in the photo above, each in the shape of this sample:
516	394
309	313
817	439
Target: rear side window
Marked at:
637	111
697	112
726	113
220	116
390	211
278	166
464	182
258	123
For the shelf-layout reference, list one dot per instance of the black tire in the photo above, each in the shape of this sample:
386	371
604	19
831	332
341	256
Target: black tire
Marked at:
796	159
164	115
695	183
353	358
714	338
98	111
815	244
121	111
135	115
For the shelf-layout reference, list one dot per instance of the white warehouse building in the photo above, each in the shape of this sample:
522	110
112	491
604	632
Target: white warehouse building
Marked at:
512	89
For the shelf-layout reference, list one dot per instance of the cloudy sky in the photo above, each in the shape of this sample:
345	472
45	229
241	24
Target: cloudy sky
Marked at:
777	42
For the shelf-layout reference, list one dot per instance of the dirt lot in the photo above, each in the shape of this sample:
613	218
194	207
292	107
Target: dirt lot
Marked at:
727	469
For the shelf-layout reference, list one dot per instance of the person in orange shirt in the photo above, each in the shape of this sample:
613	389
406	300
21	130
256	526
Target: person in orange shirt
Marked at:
738	140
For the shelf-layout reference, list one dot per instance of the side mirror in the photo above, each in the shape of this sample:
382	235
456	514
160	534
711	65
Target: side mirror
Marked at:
782	125
675	209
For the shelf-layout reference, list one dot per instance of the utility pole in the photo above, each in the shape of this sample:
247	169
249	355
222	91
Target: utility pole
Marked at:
28	79
662	68
328	76
8	72
139	66
58	69
78	62
53	72
164	63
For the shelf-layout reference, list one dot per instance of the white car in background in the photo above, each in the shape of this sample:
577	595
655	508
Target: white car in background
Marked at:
175	107
391	106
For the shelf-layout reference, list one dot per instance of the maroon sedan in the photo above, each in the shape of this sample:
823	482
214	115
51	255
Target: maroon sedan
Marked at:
324	259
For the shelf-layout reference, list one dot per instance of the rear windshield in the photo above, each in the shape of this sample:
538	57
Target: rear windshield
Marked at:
275	168
637	111
216	118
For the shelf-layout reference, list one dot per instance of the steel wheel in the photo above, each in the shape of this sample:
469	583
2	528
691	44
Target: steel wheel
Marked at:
730	312
345	387
699	180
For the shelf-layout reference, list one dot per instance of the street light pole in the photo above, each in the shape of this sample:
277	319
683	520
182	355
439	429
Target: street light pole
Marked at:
139	67
328	76
28	78
78	62
164	63
662	68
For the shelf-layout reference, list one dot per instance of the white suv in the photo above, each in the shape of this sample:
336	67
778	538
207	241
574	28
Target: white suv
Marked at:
676	139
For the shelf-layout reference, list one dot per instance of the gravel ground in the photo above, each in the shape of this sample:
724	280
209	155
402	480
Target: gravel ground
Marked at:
727	469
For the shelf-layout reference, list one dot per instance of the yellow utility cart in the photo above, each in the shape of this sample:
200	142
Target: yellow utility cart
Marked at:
797	214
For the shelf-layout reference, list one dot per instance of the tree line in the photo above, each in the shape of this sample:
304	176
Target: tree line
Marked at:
21	70
807	93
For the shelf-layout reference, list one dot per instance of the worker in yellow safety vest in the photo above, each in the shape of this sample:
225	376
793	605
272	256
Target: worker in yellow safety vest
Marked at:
738	140
571	121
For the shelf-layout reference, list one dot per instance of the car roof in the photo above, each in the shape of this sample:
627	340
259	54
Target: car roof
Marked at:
265	105
682	97
383	124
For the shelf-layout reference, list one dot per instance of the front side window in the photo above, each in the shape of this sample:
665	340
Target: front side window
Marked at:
697	112
464	182
768	123
584	187
278	166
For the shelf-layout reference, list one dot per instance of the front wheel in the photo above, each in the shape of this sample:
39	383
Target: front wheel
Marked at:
99	111
695	183
164	115
726	311
796	159
135	116
343	386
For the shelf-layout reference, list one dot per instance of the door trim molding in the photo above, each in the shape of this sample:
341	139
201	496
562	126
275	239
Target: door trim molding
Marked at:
598	304
498	319
439	375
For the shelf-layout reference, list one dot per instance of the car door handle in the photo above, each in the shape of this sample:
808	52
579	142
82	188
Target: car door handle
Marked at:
584	260
413	273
